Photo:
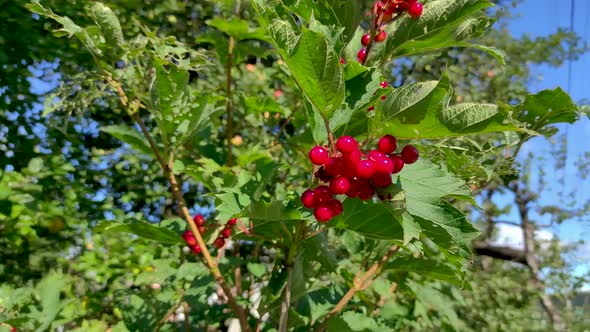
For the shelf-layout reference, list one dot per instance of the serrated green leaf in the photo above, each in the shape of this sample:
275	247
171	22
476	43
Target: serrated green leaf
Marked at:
237	28
373	220
443	24
545	108
142	229
108	22
129	136
427	268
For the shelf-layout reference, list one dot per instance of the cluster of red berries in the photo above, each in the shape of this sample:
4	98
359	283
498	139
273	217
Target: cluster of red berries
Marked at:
384	11
219	242
353	173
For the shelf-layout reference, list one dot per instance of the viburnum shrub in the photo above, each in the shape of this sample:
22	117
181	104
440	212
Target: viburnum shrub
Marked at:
371	238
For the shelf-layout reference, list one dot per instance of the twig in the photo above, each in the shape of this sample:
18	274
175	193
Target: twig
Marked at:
169	313
183	210
330	136
286	302
187	322
359	283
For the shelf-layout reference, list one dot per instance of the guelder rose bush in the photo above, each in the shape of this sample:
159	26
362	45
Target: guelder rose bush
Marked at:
327	180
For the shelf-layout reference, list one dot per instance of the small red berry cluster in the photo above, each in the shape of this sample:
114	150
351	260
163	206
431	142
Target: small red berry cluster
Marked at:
353	173
219	242
385	11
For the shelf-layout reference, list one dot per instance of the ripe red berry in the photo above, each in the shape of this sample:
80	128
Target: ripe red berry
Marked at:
318	155
307	198
201	229
401	7
321	194
226	232
367	191
334	166
370	108
409	154
381	180
384	84
398	164
189	238
342	61
375	155
346	144
321	173
352	157
366	39
336	207
384	166
232	221
361	55
415	10
365	168
353	189
323	213
381	36
219	242
196	249
339	185
199	220
387	144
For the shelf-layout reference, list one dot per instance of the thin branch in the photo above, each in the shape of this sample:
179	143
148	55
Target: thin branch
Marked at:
168	314
499	252
330	136
184	212
360	283
286	302
187	321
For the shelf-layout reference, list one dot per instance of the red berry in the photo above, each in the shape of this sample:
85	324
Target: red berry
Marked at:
307	198
415	10
321	173
347	144
323	213
199	220
384	166
366	39
339	185
387	144
189	237
365	168
388	14
196	249
201	229
321	194
336	207
318	155
381	180
401	7
353	189
361	55
219	242
380	36
352	157
409	154
232	221
334	166
398	164
226	232
342	61
366	191
375	155
384	84
370	108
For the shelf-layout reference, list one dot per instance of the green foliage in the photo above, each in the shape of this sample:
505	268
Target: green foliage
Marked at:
233	97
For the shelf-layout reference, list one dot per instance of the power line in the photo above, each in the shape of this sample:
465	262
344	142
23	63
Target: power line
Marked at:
571	46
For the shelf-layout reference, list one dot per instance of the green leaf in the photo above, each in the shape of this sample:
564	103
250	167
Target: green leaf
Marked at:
257	269
316	67
426	186
421	110
142	229
545	108
427	268
129	136
373	220
108	22
237	28
48	290
351	321
444	23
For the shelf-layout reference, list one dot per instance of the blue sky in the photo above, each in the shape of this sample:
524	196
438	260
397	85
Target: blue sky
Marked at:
540	18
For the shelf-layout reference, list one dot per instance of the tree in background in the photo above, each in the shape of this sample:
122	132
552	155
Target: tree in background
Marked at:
250	115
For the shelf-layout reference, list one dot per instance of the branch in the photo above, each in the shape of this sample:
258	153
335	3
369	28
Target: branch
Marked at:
360	283
183	210
499	252
286	302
